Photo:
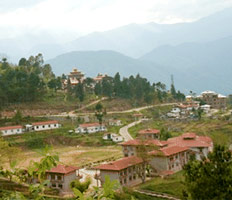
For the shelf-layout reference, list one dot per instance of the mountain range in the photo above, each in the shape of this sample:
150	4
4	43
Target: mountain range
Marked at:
196	53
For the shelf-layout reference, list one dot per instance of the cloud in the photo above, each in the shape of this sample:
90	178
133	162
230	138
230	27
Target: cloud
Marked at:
85	16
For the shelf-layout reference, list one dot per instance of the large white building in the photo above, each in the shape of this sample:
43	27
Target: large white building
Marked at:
47	125
11	130
90	128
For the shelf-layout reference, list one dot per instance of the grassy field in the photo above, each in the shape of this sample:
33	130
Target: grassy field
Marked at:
172	185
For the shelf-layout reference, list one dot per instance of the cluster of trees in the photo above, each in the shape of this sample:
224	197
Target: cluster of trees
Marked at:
26	81
210	178
135	88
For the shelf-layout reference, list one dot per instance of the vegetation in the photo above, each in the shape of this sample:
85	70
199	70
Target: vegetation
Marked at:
210	178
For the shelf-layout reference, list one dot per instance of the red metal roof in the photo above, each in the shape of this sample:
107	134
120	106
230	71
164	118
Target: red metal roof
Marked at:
168	151
120	164
45	123
10	127
63	169
89	125
188	140
137	142
152	131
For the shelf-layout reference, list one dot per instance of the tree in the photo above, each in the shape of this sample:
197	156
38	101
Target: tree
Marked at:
210	178
99	112
164	134
79	91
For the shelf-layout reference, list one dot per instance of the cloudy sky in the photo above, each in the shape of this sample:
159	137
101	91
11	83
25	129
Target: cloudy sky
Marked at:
84	16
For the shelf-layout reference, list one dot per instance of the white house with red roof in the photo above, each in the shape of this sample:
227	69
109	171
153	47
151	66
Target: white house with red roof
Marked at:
200	145
46	125
11	130
61	176
131	147
129	171
149	134
90	128
171	158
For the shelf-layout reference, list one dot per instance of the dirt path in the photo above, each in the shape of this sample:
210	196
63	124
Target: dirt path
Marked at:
73	114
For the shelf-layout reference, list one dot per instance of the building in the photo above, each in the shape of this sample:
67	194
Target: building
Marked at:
11	130
115	122
61	176
149	134
100	77
90	128
131	147
112	136
216	101
171	158
128	171
73	78
200	145
47	125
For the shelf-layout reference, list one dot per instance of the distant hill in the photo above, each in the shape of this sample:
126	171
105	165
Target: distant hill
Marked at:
110	62
197	66
137	39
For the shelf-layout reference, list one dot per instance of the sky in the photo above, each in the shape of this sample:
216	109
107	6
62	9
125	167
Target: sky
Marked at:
85	16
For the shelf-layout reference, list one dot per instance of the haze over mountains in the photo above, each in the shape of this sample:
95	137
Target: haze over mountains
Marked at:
196	53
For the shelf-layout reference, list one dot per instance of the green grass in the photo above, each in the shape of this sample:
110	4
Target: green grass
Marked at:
172	185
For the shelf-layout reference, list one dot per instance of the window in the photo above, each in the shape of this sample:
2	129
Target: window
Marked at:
37	126
11	131
53	176
53	185
60	186
43	126
49	125
59	177
134	177
130	178
54	125
124	180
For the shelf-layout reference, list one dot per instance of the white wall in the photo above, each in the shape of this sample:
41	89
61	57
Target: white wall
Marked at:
45	127
12	131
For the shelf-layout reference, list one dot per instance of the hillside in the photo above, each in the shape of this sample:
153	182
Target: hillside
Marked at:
110	62
197	66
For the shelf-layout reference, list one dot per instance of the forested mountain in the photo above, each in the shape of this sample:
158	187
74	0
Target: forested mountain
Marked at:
110	62
197	66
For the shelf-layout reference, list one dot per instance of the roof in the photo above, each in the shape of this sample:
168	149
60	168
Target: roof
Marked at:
63	169
121	164
137	142
166	172
10	127
89	125
190	140
208	92
145	131
168	151
45	123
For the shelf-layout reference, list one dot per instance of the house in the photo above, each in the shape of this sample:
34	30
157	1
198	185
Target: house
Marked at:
90	128
216	101
131	147
206	108
149	134
112	136
200	145
61	176
115	122
11	130
47	125
171	158
128	171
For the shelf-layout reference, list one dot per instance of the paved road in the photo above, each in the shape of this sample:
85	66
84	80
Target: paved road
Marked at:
124	130
73	114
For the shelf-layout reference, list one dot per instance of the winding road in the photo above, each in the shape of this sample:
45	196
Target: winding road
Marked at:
124	130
